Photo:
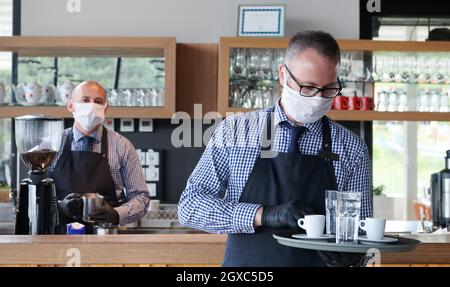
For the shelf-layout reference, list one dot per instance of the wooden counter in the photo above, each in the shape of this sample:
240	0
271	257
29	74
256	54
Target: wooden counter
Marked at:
169	250
113	250
433	251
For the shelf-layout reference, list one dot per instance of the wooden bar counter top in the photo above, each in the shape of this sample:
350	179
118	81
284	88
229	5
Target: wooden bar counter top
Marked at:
168	249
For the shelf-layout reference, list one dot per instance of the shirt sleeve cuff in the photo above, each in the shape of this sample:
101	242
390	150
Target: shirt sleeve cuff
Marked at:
243	217
123	214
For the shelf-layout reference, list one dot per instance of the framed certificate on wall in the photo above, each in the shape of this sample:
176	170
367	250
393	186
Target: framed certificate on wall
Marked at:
262	21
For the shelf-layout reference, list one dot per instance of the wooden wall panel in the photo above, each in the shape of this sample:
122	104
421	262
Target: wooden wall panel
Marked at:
196	77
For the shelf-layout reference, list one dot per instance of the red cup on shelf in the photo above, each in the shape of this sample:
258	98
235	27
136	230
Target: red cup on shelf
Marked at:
354	103
340	103
366	104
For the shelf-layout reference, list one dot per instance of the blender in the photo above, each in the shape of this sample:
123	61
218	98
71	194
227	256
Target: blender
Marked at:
38	140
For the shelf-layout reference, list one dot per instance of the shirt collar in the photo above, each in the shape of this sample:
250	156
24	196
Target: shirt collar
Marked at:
78	135
280	116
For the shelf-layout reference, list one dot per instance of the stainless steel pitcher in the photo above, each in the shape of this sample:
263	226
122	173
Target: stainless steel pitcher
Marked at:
91	201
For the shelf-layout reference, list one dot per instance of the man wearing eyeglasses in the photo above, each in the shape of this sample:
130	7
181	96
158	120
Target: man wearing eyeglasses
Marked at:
236	188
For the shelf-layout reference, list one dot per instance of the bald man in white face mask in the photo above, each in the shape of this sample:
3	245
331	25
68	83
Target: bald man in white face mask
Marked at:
94	159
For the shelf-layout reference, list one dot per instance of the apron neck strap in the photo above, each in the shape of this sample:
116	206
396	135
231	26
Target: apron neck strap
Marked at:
267	139
326	151
326	134
104	145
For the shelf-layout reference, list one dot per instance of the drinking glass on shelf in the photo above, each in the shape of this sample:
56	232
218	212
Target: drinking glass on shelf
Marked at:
381	101
407	72
140	97
385	69
267	96
238	63
432	72
396	69
237	92
266	64
113	97
402	101
423	70
345	67
278	60
247	101
392	101
441	70
146	97
446	79
253	63
435	101
257	98
153	97
423	103
161	92
445	101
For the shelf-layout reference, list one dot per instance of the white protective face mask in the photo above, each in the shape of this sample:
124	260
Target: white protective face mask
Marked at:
89	115
304	110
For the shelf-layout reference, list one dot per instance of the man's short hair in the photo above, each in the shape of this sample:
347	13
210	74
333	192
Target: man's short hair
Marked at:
320	41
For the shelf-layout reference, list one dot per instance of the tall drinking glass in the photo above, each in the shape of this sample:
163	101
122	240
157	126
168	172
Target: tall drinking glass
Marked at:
348	205
330	211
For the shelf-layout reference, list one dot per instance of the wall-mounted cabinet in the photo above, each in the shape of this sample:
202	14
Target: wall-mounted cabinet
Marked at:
405	81
138	73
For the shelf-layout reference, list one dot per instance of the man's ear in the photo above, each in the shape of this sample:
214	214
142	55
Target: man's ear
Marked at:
70	106
281	74
106	107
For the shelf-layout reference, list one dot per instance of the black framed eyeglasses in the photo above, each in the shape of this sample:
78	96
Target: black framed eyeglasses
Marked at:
311	91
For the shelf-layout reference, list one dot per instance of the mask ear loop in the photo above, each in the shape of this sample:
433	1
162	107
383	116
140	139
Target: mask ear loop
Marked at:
285	75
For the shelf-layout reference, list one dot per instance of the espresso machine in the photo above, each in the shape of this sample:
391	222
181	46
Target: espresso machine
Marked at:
38	139
440	195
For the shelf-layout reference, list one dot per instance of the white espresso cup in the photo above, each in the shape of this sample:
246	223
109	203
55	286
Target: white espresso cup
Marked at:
313	224
374	228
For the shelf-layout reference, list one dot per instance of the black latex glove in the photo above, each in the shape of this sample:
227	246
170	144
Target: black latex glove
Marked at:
106	214
284	215
72	206
342	259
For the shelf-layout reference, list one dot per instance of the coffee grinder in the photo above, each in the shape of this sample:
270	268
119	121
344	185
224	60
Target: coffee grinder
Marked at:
38	139
440	195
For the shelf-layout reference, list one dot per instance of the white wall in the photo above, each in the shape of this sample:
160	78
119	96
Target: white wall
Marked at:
196	21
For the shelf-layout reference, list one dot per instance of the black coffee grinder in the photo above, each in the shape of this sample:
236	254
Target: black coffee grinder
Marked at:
440	195
38	139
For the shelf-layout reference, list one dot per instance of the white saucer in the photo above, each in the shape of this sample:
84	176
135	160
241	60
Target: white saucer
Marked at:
61	104
364	239
304	236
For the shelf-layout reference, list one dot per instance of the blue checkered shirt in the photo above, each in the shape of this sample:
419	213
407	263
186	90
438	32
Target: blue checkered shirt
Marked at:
210	201
125	169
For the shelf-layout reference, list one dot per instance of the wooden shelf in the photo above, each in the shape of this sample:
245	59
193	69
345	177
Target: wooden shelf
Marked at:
86	46
375	116
350	45
62	112
98	47
387	116
226	43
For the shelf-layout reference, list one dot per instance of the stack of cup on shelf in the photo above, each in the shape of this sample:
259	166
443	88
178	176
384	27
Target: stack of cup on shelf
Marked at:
349	100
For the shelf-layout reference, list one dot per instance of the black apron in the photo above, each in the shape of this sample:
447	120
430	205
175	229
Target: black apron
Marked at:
276	180
84	172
